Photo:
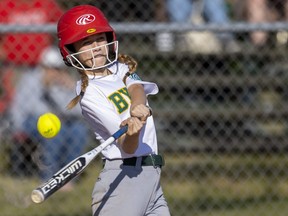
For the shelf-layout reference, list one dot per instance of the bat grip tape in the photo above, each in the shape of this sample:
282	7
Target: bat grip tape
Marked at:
120	132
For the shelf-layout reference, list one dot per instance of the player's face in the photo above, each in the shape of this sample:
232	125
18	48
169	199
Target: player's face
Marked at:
93	50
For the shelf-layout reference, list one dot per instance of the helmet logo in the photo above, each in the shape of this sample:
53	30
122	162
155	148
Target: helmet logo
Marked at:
85	19
92	30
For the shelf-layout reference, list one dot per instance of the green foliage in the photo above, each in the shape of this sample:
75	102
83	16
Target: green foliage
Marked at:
204	185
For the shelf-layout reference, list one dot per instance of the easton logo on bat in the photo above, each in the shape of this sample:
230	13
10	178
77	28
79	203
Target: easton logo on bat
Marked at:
64	175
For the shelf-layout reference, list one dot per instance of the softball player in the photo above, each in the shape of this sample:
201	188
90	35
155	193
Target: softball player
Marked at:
112	95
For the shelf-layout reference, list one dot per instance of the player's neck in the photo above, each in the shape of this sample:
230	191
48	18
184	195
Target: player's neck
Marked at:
100	72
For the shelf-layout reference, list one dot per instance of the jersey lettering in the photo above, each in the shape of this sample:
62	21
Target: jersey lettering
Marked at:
118	99
124	91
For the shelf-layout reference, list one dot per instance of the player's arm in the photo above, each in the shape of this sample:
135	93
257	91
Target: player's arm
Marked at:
138	102
139	113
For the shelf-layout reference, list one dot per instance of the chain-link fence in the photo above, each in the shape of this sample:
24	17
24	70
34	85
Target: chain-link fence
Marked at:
220	113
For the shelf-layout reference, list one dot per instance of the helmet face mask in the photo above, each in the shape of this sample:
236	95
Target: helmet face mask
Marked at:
78	23
111	55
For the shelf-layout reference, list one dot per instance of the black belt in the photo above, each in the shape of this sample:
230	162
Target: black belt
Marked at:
149	160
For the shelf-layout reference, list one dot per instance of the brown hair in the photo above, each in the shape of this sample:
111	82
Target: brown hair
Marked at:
126	59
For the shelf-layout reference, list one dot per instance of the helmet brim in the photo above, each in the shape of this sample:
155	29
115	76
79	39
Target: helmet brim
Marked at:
77	36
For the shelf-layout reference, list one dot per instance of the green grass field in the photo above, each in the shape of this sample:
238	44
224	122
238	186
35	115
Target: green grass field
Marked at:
202	185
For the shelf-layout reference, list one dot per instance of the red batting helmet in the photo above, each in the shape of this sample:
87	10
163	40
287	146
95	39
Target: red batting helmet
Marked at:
80	22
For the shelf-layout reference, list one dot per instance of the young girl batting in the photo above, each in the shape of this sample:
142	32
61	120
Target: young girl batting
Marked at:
112	95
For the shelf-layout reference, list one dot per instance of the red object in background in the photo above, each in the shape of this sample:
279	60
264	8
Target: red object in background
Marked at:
25	48
7	89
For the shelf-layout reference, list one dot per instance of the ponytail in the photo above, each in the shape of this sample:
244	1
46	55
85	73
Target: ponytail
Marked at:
84	84
128	60
131	62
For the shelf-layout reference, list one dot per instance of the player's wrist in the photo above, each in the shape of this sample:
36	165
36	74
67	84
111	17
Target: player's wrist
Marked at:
150	110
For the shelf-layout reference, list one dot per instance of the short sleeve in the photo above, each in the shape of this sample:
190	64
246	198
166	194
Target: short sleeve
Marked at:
150	88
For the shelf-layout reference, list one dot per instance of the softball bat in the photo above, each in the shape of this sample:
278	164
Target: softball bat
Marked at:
71	170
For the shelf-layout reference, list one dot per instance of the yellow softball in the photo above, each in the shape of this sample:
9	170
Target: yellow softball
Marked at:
48	125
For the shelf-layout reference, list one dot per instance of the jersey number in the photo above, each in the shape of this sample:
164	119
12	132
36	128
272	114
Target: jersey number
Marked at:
118	99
